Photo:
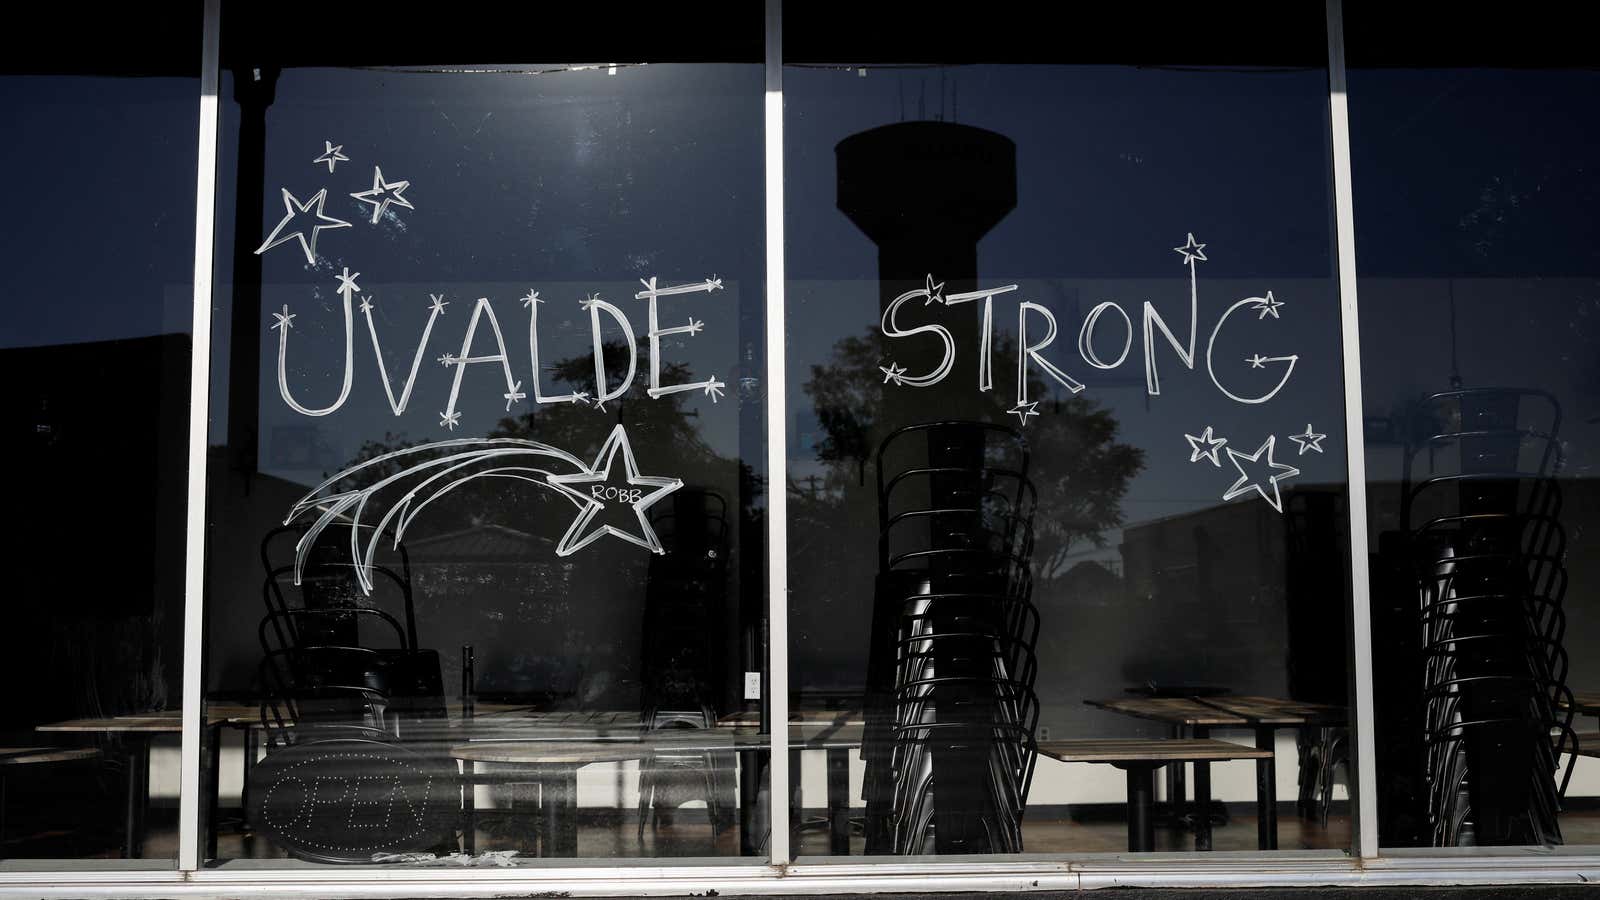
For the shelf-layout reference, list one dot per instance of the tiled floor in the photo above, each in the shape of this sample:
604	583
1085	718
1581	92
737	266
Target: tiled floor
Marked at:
690	836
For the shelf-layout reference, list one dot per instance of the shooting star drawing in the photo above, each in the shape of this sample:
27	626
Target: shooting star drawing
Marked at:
430	471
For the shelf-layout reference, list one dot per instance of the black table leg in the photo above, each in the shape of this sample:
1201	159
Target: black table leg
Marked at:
1177	791
249	766
1141	799
558	807
1266	792
138	794
749	797
213	786
1202	796
469	807
839	802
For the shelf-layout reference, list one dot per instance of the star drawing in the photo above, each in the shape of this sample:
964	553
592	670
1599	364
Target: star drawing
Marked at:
515	395
1251	480
1023	410
935	291
331	156
438	304
1268	306
1309	440
1205	446
293	209
383	193
604	496
1192	251
892	373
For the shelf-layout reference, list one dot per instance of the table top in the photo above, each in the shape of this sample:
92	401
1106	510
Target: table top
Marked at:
495	746
1277	711
28	756
153	724
1171	710
550	752
799	716
1586	702
170	721
1116	750
1223	711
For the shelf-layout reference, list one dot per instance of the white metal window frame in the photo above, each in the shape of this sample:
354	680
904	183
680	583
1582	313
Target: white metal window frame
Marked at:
780	874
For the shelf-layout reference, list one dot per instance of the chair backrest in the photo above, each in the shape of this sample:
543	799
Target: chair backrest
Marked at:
328	580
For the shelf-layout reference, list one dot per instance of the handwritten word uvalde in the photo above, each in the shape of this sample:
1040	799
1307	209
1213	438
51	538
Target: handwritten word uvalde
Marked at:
1030	349
483	311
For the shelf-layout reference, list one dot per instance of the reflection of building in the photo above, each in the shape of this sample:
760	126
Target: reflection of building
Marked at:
1237	594
101	484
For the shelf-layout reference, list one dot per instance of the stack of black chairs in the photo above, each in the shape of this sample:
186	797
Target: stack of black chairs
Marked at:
950	710
352	767
680	682
1487	548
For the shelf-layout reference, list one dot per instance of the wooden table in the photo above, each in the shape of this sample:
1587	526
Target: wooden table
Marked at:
1140	757
838	770
138	730
1184	715
553	759
553	765
1262	714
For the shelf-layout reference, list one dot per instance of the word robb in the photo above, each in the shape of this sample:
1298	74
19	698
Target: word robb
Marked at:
482	311
1031	351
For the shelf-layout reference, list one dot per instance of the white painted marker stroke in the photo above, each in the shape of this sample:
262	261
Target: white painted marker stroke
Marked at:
284	321
435	310
711	386
531	301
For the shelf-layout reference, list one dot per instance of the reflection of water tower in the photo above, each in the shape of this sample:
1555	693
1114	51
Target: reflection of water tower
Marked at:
925	192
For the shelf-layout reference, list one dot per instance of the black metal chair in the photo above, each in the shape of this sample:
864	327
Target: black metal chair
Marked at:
1486	548
685	599
950	710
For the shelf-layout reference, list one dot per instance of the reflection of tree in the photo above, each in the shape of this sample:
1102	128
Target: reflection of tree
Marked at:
1080	469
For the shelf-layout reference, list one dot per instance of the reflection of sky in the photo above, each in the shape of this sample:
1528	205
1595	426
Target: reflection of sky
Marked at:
1456	222
1115	165
100	207
567	183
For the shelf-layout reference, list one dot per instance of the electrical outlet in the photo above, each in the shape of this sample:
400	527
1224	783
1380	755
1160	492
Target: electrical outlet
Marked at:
1044	734
752	685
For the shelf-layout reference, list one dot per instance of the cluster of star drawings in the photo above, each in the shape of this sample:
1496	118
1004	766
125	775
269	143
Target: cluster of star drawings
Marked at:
305	221
1258	471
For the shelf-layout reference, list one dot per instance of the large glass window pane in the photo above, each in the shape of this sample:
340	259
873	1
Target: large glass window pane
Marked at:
1475	191
98	255
1065	452
485	562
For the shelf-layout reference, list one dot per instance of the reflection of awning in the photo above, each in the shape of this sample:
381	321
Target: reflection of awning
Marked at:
482	543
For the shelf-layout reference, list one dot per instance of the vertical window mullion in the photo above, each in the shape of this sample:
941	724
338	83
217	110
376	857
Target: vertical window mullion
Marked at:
199	419
777	450
1365	790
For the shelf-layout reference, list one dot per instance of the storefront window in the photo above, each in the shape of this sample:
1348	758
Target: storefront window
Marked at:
1066	470
485	566
99	256
1475	190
